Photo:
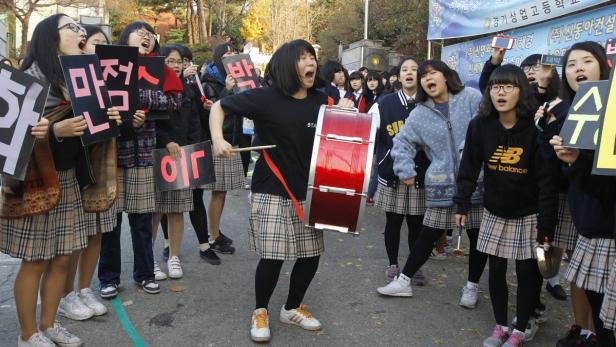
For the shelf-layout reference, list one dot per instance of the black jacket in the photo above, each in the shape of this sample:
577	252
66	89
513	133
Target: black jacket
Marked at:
232	127
487	70
517	181
183	126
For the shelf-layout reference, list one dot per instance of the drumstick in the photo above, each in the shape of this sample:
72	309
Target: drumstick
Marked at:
254	148
458	252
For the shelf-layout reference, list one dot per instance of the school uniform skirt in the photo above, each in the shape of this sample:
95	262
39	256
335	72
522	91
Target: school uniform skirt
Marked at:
46	236
565	234
510	238
174	201
136	190
444	217
100	222
401	199
589	267
276	232
229	174
608	309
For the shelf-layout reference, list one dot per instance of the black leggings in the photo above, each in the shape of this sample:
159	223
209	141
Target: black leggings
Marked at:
198	218
499	292
605	337
476	260
266	278
393	225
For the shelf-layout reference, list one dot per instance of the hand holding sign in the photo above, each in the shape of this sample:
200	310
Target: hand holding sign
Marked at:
70	127
41	129
241	68
581	127
192	168
567	155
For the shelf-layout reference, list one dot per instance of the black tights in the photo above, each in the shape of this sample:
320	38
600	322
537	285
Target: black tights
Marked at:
499	292
266	278
605	337
393	225
198	218
476	260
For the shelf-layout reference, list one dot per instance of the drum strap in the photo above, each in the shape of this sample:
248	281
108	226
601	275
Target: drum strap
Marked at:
278	174
330	101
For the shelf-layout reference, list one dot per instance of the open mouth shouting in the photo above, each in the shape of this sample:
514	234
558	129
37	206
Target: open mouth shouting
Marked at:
532	80
581	78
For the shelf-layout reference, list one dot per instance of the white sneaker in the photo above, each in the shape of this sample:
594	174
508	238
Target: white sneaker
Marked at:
470	295
87	297
62	337
531	328
159	275
259	329
174	267
73	308
300	317
36	340
397	287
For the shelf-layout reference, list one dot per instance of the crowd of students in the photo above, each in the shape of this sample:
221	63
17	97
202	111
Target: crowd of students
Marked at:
447	158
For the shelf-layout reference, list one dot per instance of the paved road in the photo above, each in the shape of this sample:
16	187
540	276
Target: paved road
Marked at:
211	305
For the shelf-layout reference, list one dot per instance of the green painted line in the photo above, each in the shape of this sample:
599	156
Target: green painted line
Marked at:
126	323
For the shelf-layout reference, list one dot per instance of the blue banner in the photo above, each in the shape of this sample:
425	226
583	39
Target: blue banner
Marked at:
461	18
553	37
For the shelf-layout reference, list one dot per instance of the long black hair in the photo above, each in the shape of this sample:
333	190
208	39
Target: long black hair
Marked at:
123	39
566	93
282	68
185	52
43	50
92	30
372	95
219	51
509	74
329	70
553	88
452	79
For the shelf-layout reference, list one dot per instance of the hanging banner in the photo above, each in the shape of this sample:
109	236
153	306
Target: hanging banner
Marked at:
193	169
89	96
120	64
553	37
240	66
22	101
461	18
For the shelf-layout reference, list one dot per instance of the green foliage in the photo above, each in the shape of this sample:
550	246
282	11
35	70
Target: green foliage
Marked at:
177	35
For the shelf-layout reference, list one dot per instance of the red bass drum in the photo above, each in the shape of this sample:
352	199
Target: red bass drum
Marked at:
340	169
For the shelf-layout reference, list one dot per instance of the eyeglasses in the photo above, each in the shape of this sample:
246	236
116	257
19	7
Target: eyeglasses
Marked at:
173	62
507	88
143	33
535	67
73	27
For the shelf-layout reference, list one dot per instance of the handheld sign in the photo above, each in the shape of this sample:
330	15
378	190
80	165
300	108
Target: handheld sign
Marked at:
610	51
605	155
22	102
151	73
553	60
89	96
240	66
120	65
193	169
581	127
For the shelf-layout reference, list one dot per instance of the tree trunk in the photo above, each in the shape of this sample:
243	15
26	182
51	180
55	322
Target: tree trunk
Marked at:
201	18
191	37
209	11
223	17
25	23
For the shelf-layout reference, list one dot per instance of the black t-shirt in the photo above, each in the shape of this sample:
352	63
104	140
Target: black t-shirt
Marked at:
289	124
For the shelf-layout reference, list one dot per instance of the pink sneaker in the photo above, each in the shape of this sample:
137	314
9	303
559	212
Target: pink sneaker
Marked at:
516	339
392	272
498	337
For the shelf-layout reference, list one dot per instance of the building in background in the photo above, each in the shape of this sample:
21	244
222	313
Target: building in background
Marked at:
375	56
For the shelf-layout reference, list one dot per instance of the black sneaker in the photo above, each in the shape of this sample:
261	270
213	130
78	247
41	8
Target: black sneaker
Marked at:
166	253
149	286
557	291
210	256
573	337
591	341
108	290
222	247
223	238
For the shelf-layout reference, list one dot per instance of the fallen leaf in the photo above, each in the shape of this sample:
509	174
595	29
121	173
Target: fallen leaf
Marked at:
177	289
127	303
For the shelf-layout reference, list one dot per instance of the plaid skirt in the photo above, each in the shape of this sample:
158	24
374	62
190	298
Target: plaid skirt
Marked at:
229	174
60	231
136	190
401	199
608	309
444	217
277	233
174	201
508	238
101	222
589	267
565	234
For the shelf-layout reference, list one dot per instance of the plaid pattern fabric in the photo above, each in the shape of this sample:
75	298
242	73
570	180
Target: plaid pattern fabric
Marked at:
276	232
508	238
439	218
608	308
565	234
174	201
129	156
136	190
475	216
229	174
401	199
102	222
46	236
589	267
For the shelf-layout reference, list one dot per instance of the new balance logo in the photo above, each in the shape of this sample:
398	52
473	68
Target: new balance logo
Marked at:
504	160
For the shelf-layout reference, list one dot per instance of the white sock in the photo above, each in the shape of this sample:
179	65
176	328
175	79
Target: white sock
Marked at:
472	285
166	243
554	280
505	329
586	332
405	279
204	246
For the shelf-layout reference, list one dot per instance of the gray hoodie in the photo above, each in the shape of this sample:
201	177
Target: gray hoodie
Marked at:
440	137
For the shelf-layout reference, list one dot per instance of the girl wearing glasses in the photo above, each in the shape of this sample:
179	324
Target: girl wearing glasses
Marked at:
46	238
520	195
135	175
592	204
